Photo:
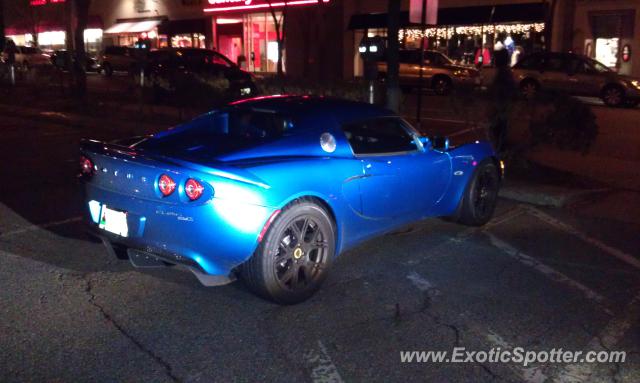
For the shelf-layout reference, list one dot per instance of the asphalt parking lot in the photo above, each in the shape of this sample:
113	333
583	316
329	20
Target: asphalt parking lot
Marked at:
533	278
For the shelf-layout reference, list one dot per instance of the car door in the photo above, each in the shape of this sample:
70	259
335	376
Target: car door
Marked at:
554	73
396	175
584	79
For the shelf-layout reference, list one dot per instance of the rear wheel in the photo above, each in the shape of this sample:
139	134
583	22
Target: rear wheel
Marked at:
613	96
107	69
481	195
442	85
529	88
293	258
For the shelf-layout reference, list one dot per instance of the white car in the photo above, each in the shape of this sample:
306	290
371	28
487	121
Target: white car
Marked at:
29	57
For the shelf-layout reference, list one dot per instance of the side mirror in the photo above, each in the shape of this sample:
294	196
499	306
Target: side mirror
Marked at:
440	143
426	142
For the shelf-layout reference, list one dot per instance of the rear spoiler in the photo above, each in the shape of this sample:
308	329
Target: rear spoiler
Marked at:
218	169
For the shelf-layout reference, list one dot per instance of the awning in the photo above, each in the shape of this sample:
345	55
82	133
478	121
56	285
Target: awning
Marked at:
489	14
133	27
23	27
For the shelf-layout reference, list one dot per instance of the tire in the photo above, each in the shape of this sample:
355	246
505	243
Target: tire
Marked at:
481	195
107	70
441	85
529	88
285	269
613	96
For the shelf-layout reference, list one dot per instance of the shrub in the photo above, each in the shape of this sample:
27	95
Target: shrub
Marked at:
570	124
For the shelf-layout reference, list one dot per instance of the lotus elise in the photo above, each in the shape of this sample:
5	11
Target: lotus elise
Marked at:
273	189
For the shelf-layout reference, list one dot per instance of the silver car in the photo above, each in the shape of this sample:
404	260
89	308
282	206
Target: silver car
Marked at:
576	75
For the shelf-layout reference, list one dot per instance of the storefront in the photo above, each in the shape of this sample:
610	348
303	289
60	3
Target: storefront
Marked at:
611	37
245	31
52	34
126	32
466	34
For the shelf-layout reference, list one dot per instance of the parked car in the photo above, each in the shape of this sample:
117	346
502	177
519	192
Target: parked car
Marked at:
28	57
576	75
172	63
61	59
274	188
116	58
438	71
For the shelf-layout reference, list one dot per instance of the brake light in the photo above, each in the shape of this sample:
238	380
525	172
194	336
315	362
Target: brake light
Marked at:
86	167
193	189
166	185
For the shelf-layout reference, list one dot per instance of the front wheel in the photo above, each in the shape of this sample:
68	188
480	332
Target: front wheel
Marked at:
293	258
481	195
613	96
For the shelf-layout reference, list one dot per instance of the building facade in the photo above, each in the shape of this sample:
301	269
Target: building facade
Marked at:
322	36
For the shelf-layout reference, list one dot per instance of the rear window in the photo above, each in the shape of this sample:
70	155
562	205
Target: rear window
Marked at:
223	132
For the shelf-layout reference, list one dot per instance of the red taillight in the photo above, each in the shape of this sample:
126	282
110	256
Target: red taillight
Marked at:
166	185
86	167
193	189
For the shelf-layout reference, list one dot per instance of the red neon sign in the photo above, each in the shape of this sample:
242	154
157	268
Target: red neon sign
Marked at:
240	5
35	3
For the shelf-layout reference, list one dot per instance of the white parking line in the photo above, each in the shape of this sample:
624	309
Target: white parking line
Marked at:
621	255
605	341
322	368
527	374
31	228
548	271
422	283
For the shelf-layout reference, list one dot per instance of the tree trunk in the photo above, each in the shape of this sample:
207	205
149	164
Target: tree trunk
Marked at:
393	52
82	16
279	24
548	30
2	36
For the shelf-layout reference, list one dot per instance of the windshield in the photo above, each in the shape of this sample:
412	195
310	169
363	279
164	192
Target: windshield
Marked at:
599	67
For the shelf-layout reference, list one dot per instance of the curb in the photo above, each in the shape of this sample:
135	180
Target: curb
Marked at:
547	195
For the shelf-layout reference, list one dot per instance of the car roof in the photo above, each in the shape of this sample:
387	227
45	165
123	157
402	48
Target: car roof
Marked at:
316	107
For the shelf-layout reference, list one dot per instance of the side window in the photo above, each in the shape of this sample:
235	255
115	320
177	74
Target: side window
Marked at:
554	64
219	60
382	135
529	62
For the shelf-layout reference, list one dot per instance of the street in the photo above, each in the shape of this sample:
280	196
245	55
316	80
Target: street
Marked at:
534	277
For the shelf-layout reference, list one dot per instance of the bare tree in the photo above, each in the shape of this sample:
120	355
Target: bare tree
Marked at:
279	23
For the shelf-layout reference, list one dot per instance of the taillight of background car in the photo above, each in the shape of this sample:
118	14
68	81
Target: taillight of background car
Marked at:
87	168
166	185
193	189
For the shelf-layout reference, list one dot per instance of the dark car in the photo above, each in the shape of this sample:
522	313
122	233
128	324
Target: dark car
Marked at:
172	64
116	58
61	59
438	71
577	75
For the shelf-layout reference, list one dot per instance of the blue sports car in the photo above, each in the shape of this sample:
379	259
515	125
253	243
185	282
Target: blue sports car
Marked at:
273	189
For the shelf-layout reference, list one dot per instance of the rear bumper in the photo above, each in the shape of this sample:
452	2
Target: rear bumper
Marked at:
211	239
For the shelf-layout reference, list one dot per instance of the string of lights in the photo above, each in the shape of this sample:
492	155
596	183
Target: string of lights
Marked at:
473	30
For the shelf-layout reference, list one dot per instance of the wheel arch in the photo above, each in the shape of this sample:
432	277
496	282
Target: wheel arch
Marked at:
322	202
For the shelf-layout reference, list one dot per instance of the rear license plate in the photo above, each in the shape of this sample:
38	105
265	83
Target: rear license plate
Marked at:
114	221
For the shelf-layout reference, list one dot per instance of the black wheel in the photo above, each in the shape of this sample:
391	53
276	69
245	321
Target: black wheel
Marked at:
441	85
613	96
480	197
529	88
107	70
293	258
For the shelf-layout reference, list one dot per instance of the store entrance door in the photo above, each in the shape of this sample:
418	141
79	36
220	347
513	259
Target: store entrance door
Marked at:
231	46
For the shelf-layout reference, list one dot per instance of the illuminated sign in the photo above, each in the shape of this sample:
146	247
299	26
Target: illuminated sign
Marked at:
35	3
240	5
626	53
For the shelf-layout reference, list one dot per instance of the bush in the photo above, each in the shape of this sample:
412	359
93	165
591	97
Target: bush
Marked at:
570	124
